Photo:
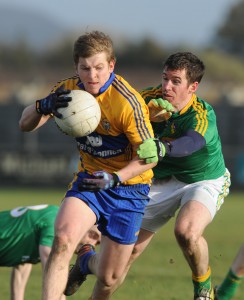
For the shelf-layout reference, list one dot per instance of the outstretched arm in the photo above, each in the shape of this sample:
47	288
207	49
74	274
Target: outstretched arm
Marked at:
19	277
35	115
103	180
31	119
153	150
44	252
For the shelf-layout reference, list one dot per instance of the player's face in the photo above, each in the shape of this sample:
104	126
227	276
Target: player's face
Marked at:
94	71
176	89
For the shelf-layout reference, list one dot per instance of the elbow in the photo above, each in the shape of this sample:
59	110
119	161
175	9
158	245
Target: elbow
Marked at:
23	126
29	119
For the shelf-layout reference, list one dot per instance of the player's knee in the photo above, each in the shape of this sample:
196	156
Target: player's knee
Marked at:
185	236
62	244
137	250
108	280
59	244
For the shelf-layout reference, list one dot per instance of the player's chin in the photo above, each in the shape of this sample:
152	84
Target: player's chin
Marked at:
92	90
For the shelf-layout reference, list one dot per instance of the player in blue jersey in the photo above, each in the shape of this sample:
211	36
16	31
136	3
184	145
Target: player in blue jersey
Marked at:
26	237
112	185
191	176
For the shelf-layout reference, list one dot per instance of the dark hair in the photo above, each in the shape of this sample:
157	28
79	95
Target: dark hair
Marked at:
186	60
92	43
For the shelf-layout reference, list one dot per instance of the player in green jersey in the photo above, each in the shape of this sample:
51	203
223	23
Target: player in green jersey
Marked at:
228	287
26	237
190	175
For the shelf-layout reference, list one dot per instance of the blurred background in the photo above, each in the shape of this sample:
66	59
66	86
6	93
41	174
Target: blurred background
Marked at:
36	41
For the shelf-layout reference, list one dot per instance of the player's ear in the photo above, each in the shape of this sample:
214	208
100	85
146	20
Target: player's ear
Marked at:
112	65
193	87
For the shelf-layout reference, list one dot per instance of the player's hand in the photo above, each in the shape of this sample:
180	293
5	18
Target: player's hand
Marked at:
53	102
160	110
151	150
101	181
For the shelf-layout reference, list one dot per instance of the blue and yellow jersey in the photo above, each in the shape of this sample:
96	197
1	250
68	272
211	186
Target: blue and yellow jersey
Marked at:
208	162
124	125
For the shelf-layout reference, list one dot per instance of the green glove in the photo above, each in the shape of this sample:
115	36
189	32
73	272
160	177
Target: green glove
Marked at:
151	150
160	110
165	104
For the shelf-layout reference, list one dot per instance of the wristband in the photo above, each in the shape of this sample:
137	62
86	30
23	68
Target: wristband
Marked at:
38	107
116	178
167	146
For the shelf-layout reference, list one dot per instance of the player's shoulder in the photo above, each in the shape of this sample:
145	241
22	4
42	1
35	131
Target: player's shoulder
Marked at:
203	112
152	92
42	210
125	94
205	104
202	101
123	86
51	211
45	216
69	83
155	89
52	207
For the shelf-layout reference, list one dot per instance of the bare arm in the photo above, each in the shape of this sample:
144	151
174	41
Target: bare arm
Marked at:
19	277
31	120
103	180
44	252
37	114
21	273
134	168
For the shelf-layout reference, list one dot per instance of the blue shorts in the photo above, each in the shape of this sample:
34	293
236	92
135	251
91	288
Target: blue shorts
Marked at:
119	210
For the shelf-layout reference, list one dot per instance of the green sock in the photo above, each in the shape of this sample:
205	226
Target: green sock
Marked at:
228	287
202	282
198	286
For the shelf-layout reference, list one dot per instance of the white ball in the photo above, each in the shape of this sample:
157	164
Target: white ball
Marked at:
81	117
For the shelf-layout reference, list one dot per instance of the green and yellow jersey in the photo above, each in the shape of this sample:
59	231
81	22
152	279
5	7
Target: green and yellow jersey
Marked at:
204	164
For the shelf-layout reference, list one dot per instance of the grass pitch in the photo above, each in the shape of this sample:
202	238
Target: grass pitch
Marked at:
161	272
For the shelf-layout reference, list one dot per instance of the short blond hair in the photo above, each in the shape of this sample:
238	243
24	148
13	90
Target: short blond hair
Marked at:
92	43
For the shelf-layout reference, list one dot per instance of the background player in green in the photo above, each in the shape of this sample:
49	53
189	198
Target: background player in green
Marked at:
191	175
228	287
26	237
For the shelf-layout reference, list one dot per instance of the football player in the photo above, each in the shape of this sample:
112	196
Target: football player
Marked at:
112	185
26	237
191	178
